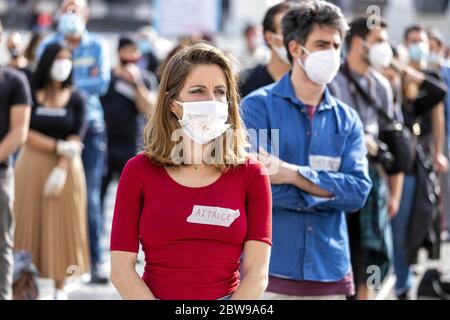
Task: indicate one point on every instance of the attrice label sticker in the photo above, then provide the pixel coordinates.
(214, 216)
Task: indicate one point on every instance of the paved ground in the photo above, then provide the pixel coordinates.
(78, 289)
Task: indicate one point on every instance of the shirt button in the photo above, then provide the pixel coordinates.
(308, 133)
(310, 229)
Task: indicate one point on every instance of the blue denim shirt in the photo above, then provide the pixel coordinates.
(446, 80)
(91, 69)
(310, 238)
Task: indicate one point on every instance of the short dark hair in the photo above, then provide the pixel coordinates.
(127, 39)
(413, 28)
(41, 77)
(268, 22)
(359, 27)
(299, 21)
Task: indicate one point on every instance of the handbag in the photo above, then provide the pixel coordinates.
(400, 140)
(25, 286)
(433, 286)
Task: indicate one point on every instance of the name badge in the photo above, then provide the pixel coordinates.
(51, 112)
(214, 216)
(322, 163)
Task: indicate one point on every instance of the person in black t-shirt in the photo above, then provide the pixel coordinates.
(16, 51)
(50, 207)
(15, 101)
(129, 96)
(279, 64)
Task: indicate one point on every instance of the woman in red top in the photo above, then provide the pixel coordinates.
(194, 199)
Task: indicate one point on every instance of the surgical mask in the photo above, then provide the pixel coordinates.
(204, 121)
(61, 69)
(145, 46)
(14, 52)
(321, 66)
(71, 24)
(281, 52)
(435, 58)
(380, 55)
(418, 51)
(124, 62)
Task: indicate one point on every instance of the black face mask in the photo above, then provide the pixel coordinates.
(14, 52)
(124, 62)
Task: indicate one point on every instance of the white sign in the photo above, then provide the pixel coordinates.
(174, 18)
(214, 216)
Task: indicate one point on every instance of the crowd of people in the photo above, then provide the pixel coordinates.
(291, 175)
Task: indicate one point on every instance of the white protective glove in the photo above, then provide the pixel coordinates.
(69, 149)
(55, 182)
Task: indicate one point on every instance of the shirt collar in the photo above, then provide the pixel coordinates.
(284, 89)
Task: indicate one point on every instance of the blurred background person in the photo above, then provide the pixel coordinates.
(129, 95)
(438, 63)
(40, 20)
(30, 52)
(16, 49)
(362, 87)
(265, 74)
(91, 60)
(51, 220)
(254, 51)
(421, 98)
(15, 102)
(149, 60)
(417, 42)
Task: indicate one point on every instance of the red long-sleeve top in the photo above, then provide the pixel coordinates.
(192, 238)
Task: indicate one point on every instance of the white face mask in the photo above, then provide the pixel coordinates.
(282, 54)
(380, 55)
(321, 66)
(204, 121)
(280, 51)
(61, 69)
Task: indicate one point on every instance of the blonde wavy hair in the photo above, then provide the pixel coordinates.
(158, 143)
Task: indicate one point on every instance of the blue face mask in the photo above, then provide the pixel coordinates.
(418, 51)
(435, 58)
(145, 46)
(71, 24)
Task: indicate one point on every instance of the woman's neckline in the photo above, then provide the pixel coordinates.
(39, 104)
(212, 184)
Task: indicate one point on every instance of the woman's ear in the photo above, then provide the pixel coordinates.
(176, 109)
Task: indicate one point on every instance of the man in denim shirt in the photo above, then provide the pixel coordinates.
(92, 73)
(319, 157)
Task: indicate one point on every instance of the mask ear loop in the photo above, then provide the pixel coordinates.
(300, 62)
(180, 120)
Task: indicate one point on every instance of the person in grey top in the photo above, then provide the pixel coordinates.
(15, 102)
(369, 229)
